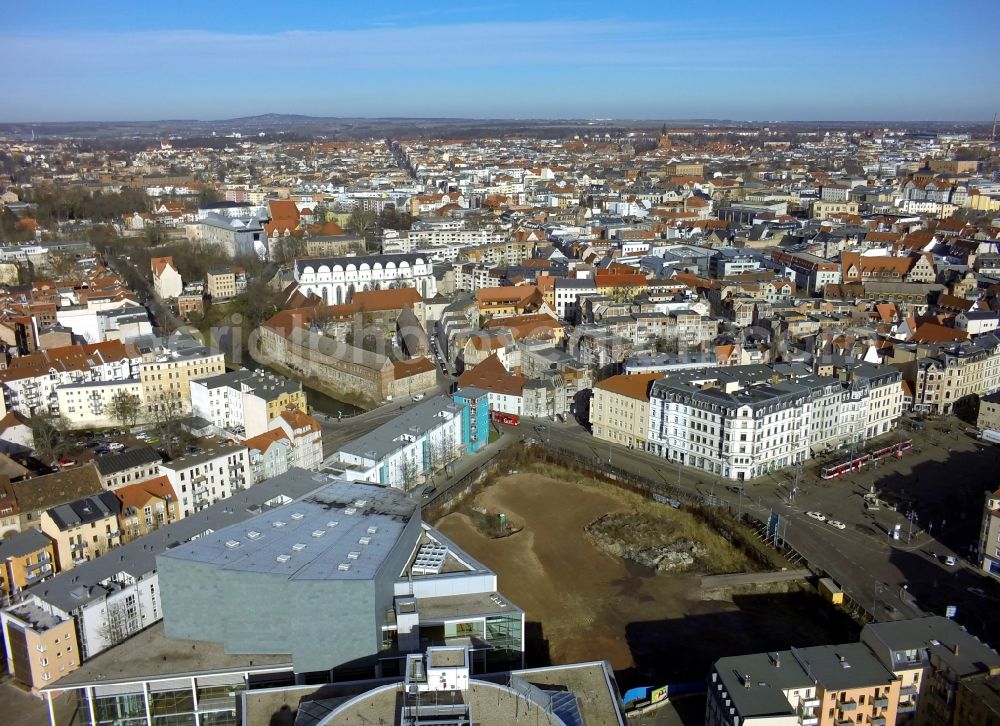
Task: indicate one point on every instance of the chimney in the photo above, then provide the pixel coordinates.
(955, 649)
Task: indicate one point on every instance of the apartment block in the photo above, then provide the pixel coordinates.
(169, 366)
(146, 506)
(40, 647)
(738, 432)
(224, 283)
(929, 657)
(26, 558)
(743, 421)
(128, 466)
(200, 480)
(948, 376)
(245, 402)
(619, 410)
(87, 404)
(401, 452)
(84, 529)
(826, 685)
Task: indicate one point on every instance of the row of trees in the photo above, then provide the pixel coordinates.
(60, 204)
(54, 437)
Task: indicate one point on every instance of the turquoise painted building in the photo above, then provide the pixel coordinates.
(475, 403)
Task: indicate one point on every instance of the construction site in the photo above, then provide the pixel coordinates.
(603, 573)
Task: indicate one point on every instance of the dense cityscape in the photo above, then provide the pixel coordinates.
(500, 413)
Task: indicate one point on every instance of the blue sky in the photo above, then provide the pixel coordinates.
(765, 60)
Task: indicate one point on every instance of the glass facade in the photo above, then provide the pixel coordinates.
(503, 632)
(469, 629)
(169, 703)
(175, 707)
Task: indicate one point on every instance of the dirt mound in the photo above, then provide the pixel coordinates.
(648, 541)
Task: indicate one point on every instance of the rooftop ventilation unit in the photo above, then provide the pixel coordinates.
(232, 543)
(364, 540)
(277, 523)
(372, 530)
(353, 555)
(360, 502)
(298, 546)
(332, 523)
(429, 559)
(283, 558)
(350, 510)
(317, 533)
(253, 534)
(297, 515)
(344, 566)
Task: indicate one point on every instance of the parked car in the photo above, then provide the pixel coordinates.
(539, 427)
(115, 446)
(819, 516)
(950, 560)
(836, 523)
(418, 397)
(977, 591)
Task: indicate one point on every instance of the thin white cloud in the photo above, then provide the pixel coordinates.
(423, 50)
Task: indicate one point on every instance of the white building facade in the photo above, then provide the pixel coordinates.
(336, 279)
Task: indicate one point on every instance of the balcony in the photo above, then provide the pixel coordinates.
(878, 721)
(77, 546)
(848, 706)
(881, 703)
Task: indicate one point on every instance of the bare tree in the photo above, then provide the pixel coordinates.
(50, 435)
(362, 221)
(125, 408)
(286, 249)
(167, 418)
(118, 624)
(411, 471)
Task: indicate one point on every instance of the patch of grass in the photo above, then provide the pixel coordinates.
(488, 523)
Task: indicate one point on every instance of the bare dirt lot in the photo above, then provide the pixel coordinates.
(584, 604)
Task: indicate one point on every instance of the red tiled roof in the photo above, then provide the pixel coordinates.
(636, 386)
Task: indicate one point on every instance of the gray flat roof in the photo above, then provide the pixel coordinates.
(415, 421)
(186, 462)
(465, 606)
(150, 654)
(756, 682)
(257, 381)
(127, 459)
(340, 523)
(844, 666)
(75, 588)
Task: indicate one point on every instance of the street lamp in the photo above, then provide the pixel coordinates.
(879, 587)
